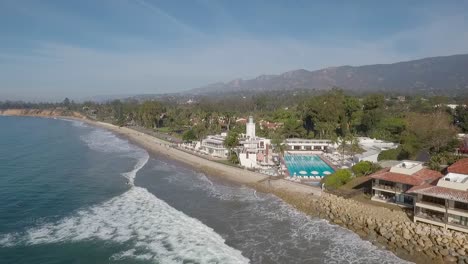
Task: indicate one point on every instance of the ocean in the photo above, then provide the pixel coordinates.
(73, 193)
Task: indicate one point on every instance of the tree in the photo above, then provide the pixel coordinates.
(461, 117)
(233, 158)
(66, 102)
(189, 135)
(292, 128)
(434, 130)
(150, 113)
(353, 113)
(394, 154)
(278, 142)
(200, 131)
(364, 168)
(337, 179)
(231, 141)
(373, 112)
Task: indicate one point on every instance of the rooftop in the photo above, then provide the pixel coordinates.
(304, 140)
(407, 167)
(441, 192)
(460, 167)
(398, 173)
(456, 177)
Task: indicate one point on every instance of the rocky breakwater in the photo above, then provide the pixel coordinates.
(394, 230)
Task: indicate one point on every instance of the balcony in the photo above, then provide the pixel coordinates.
(431, 206)
(431, 217)
(386, 188)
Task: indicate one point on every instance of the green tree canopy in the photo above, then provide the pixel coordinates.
(189, 135)
(337, 179)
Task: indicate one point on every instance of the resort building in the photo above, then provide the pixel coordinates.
(372, 148)
(391, 185)
(214, 145)
(255, 152)
(299, 144)
(445, 204)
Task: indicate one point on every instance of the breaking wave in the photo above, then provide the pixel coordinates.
(105, 141)
(148, 227)
(268, 230)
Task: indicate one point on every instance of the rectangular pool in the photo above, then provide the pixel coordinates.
(311, 166)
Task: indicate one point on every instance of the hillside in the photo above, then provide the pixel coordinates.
(446, 75)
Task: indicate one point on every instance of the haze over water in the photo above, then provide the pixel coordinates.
(64, 198)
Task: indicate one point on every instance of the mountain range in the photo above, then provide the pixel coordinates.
(447, 75)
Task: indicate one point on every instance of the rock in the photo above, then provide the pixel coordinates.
(407, 236)
(461, 252)
(430, 253)
(444, 252)
(450, 259)
(421, 242)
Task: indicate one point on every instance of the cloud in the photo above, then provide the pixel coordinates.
(56, 69)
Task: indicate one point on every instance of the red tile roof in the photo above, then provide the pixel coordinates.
(460, 166)
(441, 192)
(420, 177)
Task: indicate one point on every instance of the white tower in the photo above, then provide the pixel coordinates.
(250, 127)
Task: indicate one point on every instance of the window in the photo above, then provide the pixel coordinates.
(408, 199)
(461, 206)
(433, 200)
(458, 220)
(431, 215)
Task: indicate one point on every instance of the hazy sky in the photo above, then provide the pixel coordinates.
(53, 49)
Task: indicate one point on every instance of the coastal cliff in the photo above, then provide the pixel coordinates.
(56, 112)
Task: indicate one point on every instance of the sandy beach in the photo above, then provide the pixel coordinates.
(212, 168)
(160, 147)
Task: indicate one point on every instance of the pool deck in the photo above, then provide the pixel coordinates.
(305, 180)
(333, 166)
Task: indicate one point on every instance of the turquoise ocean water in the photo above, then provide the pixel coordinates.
(65, 198)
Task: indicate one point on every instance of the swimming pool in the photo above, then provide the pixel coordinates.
(311, 166)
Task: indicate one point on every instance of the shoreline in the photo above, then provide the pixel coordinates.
(365, 221)
(230, 173)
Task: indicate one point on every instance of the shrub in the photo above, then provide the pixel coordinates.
(364, 168)
(233, 158)
(393, 154)
(189, 135)
(337, 179)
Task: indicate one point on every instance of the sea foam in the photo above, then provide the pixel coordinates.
(105, 141)
(297, 238)
(147, 227)
(142, 223)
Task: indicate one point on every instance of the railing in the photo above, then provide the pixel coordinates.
(459, 209)
(384, 199)
(431, 217)
(387, 187)
(431, 204)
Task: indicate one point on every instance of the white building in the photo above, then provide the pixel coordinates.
(255, 152)
(445, 204)
(372, 148)
(300, 144)
(214, 145)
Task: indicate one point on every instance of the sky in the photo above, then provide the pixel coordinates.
(51, 49)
